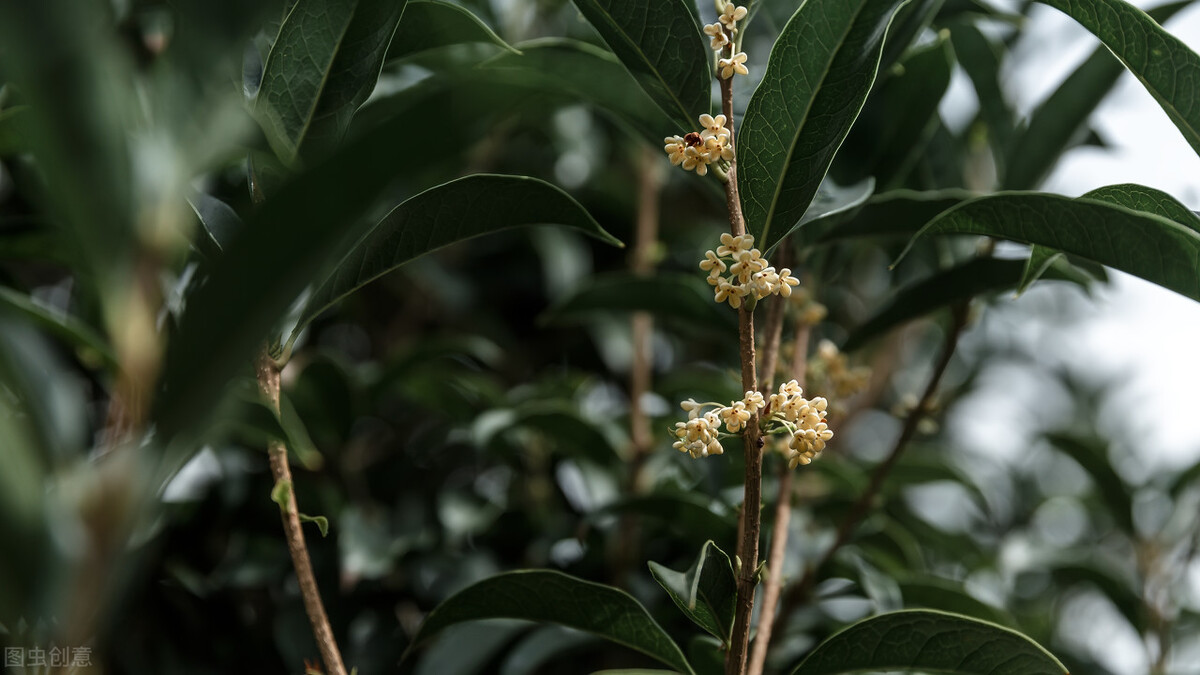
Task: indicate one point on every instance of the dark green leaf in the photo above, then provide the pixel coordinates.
(817, 78)
(980, 57)
(542, 646)
(573, 434)
(1163, 63)
(1040, 260)
(1118, 588)
(706, 592)
(218, 220)
(1142, 198)
(1092, 456)
(429, 24)
(1144, 245)
(569, 68)
(949, 596)
(543, 595)
(693, 515)
(910, 22)
(298, 440)
(14, 132)
(898, 213)
(1061, 120)
(899, 118)
(684, 297)
(322, 66)
(662, 46)
(63, 326)
(930, 641)
(449, 213)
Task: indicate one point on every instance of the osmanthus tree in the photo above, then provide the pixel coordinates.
(187, 308)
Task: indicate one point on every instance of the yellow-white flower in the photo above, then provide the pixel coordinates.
(718, 147)
(675, 146)
(733, 293)
(748, 263)
(754, 400)
(735, 416)
(698, 436)
(713, 126)
(733, 64)
(786, 281)
(717, 33)
(731, 246)
(695, 159)
(731, 15)
(713, 265)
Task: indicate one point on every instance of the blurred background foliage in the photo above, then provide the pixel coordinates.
(470, 412)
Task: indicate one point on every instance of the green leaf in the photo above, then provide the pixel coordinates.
(449, 213)
(692, 515)
(1111, 490)
(1163, 63)
(280, 494)
(321, 521)
(543, 595)
(429, 24)
(1142, 198)
(949, 596)
(560, 421)
(298, 440)
(322, 66)
(980, 56)
(930, 641)
(68, 328)
(14, 131)
(634, 671)
(910, 22)
(672, 296)
(662, 46)
(898, 213)
(1145, 245)
(560, 67)
(219, 222)
(706, 592)
(542, 646)
(817, 78)
(899, 118)
(1040, 260)
(1061, 120)
(1119, 588)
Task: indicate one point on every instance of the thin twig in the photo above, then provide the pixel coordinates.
(773, 585)
(773, 328)
(799, 592)
(268, 382)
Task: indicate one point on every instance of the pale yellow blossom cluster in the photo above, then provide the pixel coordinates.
(696, 150)
(699, 436)
(808, 310)
(721, 36)
(750, 274)
(804, 420)
(833, 371)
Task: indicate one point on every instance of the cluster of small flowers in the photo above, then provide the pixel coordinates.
(699, 436)
(696, 150)
(805, 421)
(750, 275)
(721, 35)
(809, 311)
(831, 368)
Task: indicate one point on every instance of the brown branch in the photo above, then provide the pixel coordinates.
(268, 381)
(773, 585)
(750, 521)
(866, 501)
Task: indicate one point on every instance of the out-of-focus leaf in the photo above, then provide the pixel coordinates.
(583, 72)
(539, 595)
(14, 134)
(486, 639)
(706, 592)
(898, 213)
(662, 46)
(911, 20)
(321, 522)
(322, 66)
(980, 56)
(926, 640)
(684, 297)
(634, 671)
(541, 646)
(449, 213)
(694, 515)
(1144, 245)
(706, 654)
(429, 24)
(1060, 121)
(218, 220)
(1040, 260)
(1161, 61)
(570, 431)
(949, 596)
(64, 326)
(957, 284)
(899, 117)
(298, 440)
(1092, 456)
(1121, 592)
(817, 78)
